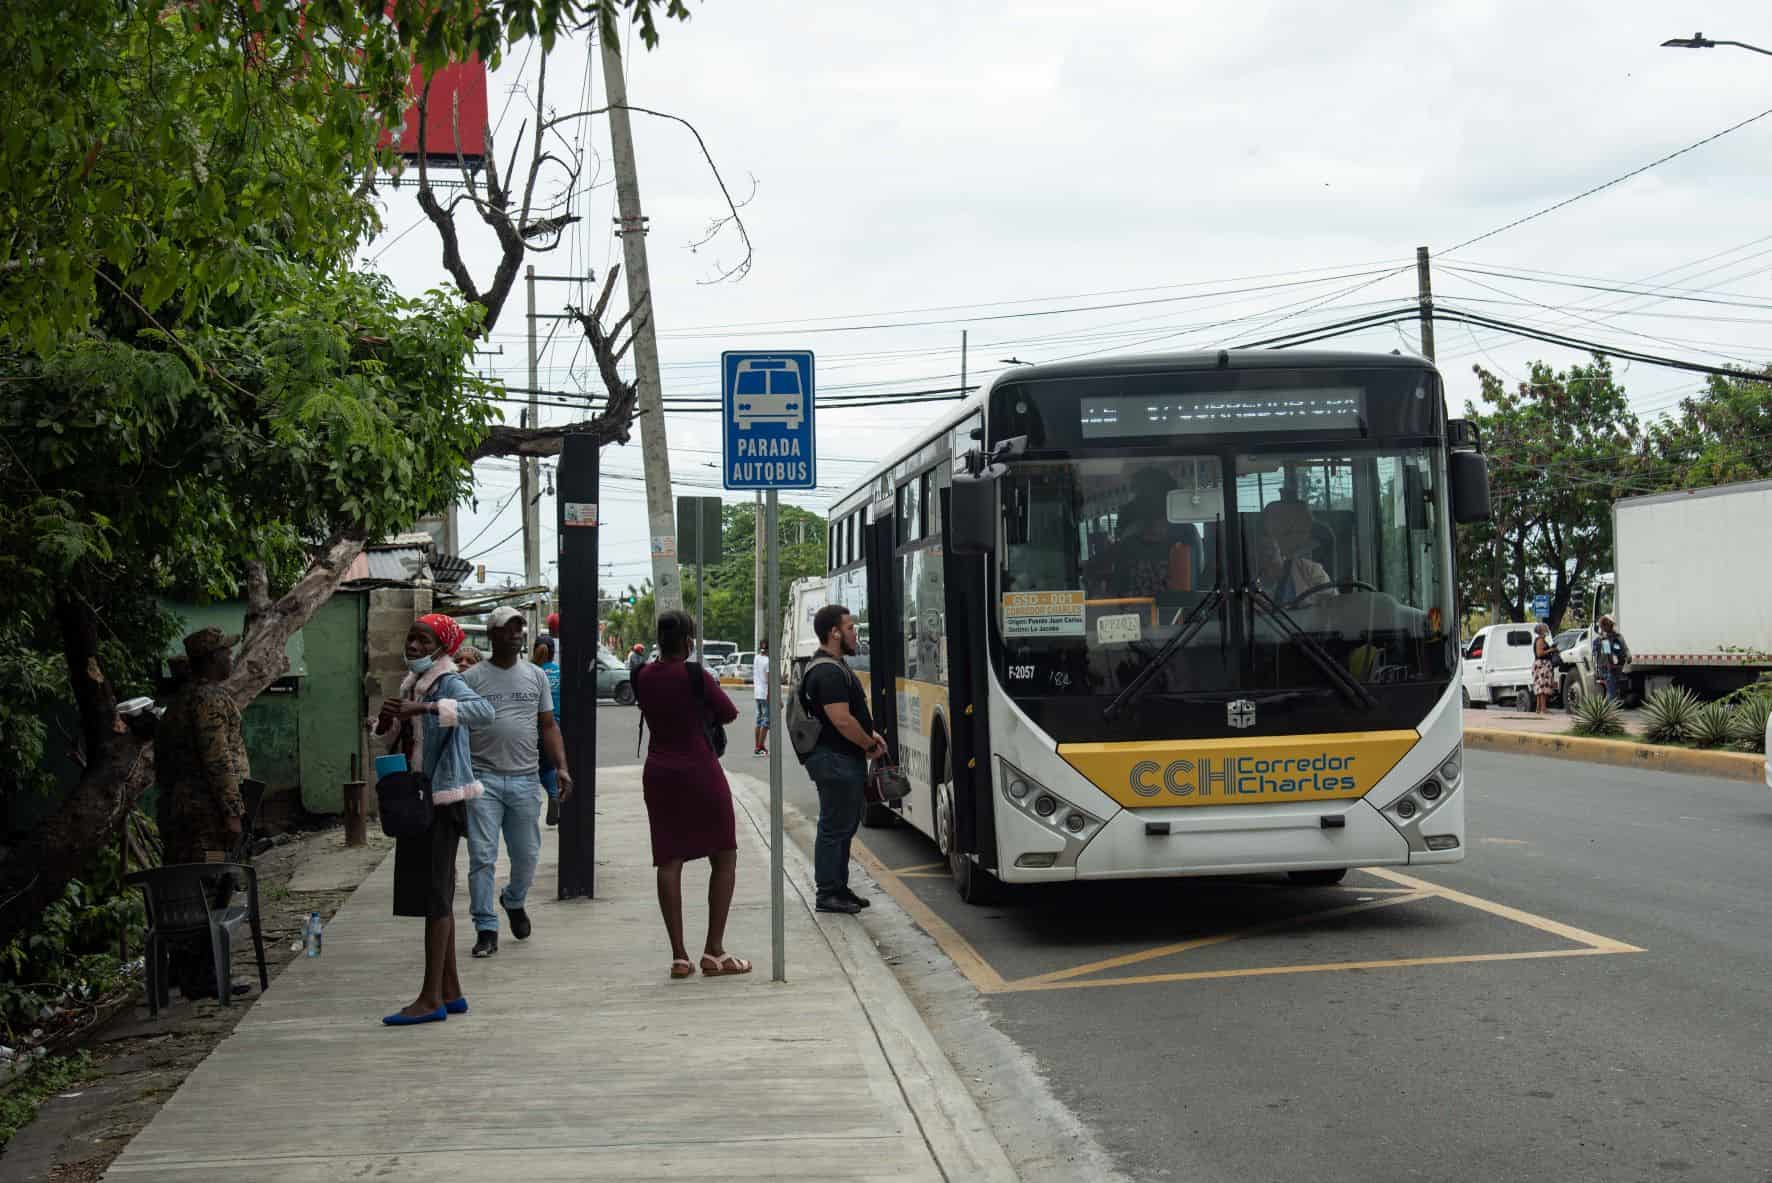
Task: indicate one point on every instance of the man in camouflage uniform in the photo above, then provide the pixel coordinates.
(200, 758)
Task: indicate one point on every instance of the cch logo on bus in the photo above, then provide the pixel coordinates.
(1252, 776)
(1240, 713)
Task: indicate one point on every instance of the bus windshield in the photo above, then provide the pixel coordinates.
(1323, 554)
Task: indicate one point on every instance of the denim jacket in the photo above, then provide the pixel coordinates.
(442, 750)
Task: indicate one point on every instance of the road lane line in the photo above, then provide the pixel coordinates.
(1026, 985)
(978, 971)
(1518, 916)
(1123, 959)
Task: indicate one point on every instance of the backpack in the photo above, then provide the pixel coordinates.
(804, 724)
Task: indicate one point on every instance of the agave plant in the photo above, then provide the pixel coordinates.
(1711, 725)
(1668, 713)
(1598, 716)
(1747, 723)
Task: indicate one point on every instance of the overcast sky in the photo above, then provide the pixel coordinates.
(982, 167)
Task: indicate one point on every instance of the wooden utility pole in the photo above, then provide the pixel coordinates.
(1425, 294)
(667, 587)
(529, 480)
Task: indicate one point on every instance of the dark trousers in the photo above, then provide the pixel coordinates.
(840, 778)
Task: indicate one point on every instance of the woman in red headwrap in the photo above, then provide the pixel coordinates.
(429, 723)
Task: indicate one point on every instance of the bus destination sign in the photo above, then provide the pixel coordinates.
(1336, 408)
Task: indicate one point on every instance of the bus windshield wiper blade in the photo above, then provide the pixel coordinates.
(1195, 621)
(1313, 649)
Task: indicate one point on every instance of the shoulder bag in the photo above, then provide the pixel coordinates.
(715, 732)
(887, 783)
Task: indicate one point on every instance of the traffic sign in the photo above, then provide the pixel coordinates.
(1541, 606)
(767, 403)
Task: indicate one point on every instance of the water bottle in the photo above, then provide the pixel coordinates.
(311, 935)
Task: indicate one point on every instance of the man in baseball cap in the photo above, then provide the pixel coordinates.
(507, 760)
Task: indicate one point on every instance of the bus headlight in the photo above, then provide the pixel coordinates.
(1045, 806)
(1075, 824)
(1452, 765)
(1406, 808)
(1430, 790)
(1018, 788)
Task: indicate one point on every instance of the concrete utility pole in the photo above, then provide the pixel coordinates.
(667, 588)
(1425, 294)
(530, 481)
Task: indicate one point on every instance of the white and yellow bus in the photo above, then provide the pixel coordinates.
(1174, 615)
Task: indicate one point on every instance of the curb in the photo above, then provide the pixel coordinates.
(954, 1128)
(1619, 753)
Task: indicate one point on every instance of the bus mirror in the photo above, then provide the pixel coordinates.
(972, 513)
(1470, 487)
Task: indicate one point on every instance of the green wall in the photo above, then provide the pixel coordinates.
(332, 707)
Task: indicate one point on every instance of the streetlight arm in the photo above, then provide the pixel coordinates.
(1745, 45)
(1700, 41)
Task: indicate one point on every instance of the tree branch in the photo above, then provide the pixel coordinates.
(263, 658)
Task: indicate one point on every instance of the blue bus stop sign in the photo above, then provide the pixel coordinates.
(1541, 606)
(766, 403)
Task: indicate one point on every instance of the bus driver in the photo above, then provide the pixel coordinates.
(1283, 569)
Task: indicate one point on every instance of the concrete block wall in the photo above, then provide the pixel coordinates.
(391, 612)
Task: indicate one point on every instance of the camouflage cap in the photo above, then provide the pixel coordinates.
(205, 641)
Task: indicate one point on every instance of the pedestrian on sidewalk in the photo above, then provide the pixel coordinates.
(429, 723)
(760, 691)
(1544, 666)
(838, 764)
(688, 803)
(507, 759)
(466, 658)
(543, 657)
(1611, 655)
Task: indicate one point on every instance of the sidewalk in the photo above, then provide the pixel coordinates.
(1524, 733)
(580, 1058)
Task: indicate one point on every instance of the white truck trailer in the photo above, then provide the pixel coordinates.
(805, 597)
(1694, 586)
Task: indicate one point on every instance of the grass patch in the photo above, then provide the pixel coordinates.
(46, 1076)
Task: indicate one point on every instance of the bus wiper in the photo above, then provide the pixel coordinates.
(1313, 649)
(1190, 626)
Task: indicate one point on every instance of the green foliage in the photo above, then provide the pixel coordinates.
(1711, 725)
(42, 1079)
(1598, 717)
(1747, 722)
(1668, 714)
(1721, 436)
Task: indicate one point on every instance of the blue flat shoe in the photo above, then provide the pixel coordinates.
(457, 1006)
(399, 1020)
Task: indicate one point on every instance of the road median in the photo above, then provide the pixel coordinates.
(1620, 753)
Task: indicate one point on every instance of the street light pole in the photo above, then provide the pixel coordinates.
(1700, 41)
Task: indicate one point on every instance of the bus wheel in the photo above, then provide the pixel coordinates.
(1327, 878)
(975, 884)
(624, 694)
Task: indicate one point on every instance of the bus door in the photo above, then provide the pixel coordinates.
(885, 645)
(968, 611)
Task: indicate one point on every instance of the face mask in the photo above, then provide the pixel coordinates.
(419, 665)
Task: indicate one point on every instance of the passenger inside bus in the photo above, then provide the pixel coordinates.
(1149, 555)
(1283, 567)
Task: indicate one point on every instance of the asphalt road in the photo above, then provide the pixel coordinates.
(1587, 996)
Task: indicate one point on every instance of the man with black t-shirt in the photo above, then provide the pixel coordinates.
(838, 764)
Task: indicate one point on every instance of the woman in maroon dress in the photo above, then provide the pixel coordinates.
(687, 801)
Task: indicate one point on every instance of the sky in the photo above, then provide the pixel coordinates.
(1061, 180)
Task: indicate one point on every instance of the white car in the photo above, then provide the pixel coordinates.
(767, 390)
(1498, 667)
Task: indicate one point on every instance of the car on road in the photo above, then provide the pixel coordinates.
(1575, 671)
(612, 678)
(1498, 667)
(741, 666)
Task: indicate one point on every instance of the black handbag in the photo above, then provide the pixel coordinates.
(405, 799)
(715, 732)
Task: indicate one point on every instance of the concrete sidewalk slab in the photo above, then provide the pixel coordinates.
(580, 1058)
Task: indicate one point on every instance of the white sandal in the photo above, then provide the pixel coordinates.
(687, 970)
(725, 965)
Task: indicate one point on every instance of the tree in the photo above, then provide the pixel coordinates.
(1721, 436)
(1558, 447)
(199, 395)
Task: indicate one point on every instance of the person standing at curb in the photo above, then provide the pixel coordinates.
(838, 764)
(543, 657)
(688, 802)
(1544, 666)
(760, 691)
(1611, 655)
(507, 759)
(427, 723)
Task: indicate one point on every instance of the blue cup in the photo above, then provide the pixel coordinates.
(387, 764)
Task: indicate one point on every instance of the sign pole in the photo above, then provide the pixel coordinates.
(777, 869)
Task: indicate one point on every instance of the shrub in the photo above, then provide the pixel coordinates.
(1598, 716)
(1668, 715)
(1747, 722)
(1712, 724)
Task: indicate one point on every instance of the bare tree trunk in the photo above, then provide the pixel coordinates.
(262, 658)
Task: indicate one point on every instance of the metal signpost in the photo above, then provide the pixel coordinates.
(699, 538)
(768, 443)
(579, 644)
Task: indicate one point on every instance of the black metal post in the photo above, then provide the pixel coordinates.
(577, 481)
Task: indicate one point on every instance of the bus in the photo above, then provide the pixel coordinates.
(1190, 614)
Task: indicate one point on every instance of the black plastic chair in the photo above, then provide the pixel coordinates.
(252, 795)
(180, 901)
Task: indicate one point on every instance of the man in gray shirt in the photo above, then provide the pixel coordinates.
(507, 760)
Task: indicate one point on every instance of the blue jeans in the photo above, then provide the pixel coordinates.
(510, 805)
(840, 778)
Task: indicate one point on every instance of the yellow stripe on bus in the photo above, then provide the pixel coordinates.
(1265, 770)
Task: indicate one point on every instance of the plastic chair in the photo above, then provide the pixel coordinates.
(180, 902)
(252, 794)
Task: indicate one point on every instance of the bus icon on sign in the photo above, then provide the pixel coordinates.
(767, 390)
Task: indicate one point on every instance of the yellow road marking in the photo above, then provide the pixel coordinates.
(1321, 967)
(959, 950)
(917, 868)
(1543, 924)
(1077, 971)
